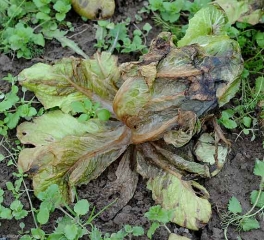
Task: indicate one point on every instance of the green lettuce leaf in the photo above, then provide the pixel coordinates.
(72, 79)
(208, 21)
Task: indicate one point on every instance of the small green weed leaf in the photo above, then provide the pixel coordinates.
(95, 234)
(22, 225)
(260, 39)
(259, 85)
(43, 215)
(37, 233)
(60, 16)
(103, 114)
(156, 4)
(51, 198)
(248, 224)
(245, 131)
(5, 213)
(70, 231)
(61, 6)
(247, 121)
(137, 231)
(16, 205)
(119, 235)
(78, 107)
(42, 16)
(259, 168)
(20, 214)
(10, 186)
(234, 205)
(38, 39)
(83, 117)
(88, 104)
(253, 198)
(82, 207)
(9, 163)
(2, 157)
(154, 226)
(56, 236)
(229, 123)
(128, 228)
(157, 213)
(147, 27)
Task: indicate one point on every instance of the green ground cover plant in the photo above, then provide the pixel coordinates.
(115, 36)
(25, 25)
(13, 107)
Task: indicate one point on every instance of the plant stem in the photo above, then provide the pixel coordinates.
(70, 216)
(167, 228)
(259, 193)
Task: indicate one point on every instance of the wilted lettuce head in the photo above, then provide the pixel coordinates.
(171, 81)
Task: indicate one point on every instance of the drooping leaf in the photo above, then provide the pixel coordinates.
(171, 192)
(73, 160)
(54, 126)
(72, 79)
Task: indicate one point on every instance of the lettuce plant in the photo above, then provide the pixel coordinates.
(157, 105)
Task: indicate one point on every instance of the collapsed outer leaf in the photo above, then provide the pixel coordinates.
(171, 192)
(73, 160)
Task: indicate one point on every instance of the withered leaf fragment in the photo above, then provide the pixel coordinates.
(94, 9)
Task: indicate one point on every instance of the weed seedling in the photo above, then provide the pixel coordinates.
(13, 107)
(111, 36)
(247, 221)
(159, 217)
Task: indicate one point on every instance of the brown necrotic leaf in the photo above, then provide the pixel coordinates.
(124, 186)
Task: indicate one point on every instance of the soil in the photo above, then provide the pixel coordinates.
(235, 179)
